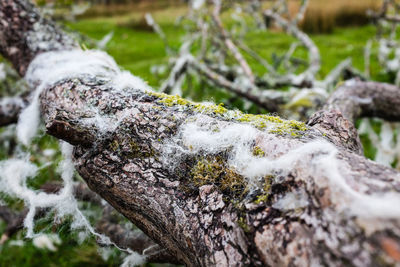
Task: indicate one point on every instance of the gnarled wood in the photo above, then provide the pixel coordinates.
(205, 225)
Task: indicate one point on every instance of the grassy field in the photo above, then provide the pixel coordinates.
(136, 49)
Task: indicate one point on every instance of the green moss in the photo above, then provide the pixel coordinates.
(233, 182)
(207, 172)
(292, 128)
(243, 224)
(114, 145)
(175, 100)
(131, 148)
(258, 152)
(301, 103)
(263, 198)
(137, 151)
(213, 170)
(260, 121)
(272, 124)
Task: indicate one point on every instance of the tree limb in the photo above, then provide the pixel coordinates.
(353, 100)
(229, 43)
(300, 14)
(356, 99)
(252, 93)
(314, 56)
(327, 208)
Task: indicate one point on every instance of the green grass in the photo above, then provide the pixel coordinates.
(137, 50)
(133, 49)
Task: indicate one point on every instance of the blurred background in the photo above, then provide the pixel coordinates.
(341, 29)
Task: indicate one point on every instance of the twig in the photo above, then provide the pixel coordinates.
(229, 43)
(300, 14)
(289, 54)
(252, 93)
(175, 75)
(157, 29)
(314, 56)
(257, 57)
(334, 75)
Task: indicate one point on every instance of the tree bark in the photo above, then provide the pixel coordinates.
(208, 224)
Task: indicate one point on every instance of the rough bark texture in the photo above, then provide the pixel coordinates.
(24, 34)
(353, 100)
(366, 99)
(204, 225)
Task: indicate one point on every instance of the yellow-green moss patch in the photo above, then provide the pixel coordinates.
(258, 152)
(175, 100)
(272, 124)
(214, 171)
(131, 148)
(243, 224)
(263, 198)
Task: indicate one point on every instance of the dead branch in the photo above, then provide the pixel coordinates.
(314, 57)
(318, 202)
(229, 43)
(251, 93)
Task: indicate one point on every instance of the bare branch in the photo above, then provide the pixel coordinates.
(367, 59)
(338, 71)
(254, 8)
(300, 14)
(229, 43)
(353, 100)
(321, 204)
(179, 69)
(252, 93)
(314, 56)
(157, 29)
(289, 54)
(366, 99)
(257, 57)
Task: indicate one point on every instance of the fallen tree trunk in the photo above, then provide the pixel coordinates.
(212, 186)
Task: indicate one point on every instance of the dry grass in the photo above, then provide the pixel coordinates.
(323, 16)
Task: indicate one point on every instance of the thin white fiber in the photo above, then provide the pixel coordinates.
(52, 67)
(200, 137)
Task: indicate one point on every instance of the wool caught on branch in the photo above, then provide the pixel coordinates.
(224, 200)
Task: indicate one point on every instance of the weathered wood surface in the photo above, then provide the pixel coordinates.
(206, 225)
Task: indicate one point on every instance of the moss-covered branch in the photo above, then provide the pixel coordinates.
(211, 186)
